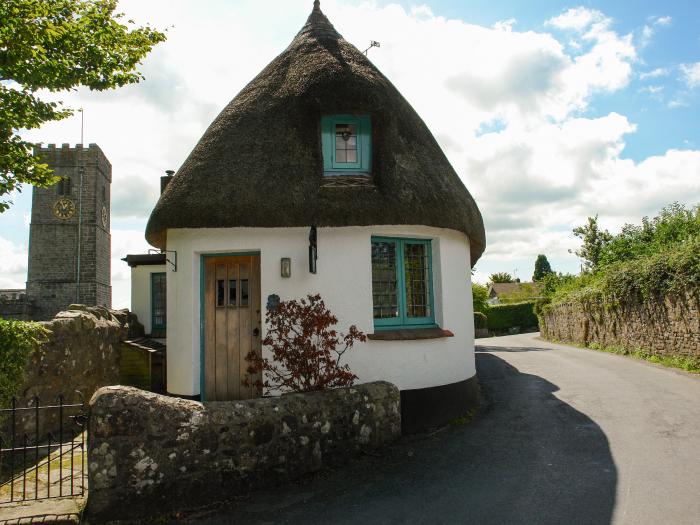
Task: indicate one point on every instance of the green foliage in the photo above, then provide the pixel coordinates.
(17, 340)
(594, 240)
(479, 295)
(501, 277)
(542, 268)
(501, 317)
(674, 225)
(57, 45)
(661, 257)
(480, 320)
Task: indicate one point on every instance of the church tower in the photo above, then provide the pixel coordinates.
(69, 239)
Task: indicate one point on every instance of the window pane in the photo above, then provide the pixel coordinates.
(384, 287)
(417, 271)
(220, 283)
(158, 300)
(346, 143)
(244, 292)
(232, 292)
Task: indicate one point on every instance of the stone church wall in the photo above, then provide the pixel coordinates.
(52, 277)
(20, 308)
(151, 454)
(668, 326)
(81, 354)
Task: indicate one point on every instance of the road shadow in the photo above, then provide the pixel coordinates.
(527, 458)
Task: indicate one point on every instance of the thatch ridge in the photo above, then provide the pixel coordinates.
(259, 164)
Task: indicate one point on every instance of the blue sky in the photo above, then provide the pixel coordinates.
(549, 111)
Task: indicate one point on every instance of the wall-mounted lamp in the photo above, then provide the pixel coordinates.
(286, 267)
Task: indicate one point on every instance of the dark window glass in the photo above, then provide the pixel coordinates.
(384, 284)
(244, 292)
(158, 301)
(63, 186)
(416, 275)
(220, 292)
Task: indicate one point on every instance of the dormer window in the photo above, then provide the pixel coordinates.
(347, 144)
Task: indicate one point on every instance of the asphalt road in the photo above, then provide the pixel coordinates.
(565, 436)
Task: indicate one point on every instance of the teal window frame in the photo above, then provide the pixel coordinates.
(403, 321)
(364, 145)
(154, 326)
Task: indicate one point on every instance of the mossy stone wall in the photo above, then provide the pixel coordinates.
(663, 326)
(151, 454)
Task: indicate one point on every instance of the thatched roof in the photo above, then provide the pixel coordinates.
(260, 162)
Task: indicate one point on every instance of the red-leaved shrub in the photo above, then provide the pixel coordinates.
(306, 350)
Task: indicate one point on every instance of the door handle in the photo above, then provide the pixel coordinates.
(256, 332)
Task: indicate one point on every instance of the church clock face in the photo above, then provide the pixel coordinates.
(64, 209)
(105, 217)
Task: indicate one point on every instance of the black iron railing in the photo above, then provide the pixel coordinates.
(43, 450)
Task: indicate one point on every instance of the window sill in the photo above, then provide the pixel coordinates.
(409, 334)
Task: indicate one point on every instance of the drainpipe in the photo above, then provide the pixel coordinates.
(80, 229)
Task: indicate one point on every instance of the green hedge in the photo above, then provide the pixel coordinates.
(480, 320)
(501, 317)
(17, 340)
(669, 273)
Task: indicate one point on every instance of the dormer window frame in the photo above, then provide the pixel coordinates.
(330, 128)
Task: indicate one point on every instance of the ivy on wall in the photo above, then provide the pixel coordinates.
(18, 339)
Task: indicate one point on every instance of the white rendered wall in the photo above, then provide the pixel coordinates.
(141, 292)
(344, 280)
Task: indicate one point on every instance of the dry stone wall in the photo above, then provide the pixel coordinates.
(668, 326)
(81, 354)
(151, 454)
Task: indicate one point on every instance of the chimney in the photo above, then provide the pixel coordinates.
(164, 181)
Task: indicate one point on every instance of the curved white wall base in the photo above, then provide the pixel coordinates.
(344, 280)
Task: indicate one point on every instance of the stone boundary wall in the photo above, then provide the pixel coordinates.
(151, 454)
(667, 326)
(82, 353)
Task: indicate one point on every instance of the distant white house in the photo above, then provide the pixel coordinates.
(498, 292)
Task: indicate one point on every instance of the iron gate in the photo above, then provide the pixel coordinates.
(43, 449)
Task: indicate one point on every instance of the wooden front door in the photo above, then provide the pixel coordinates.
(231, 325)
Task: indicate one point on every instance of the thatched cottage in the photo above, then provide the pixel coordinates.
(319, 177)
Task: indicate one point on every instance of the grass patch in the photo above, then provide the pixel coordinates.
(689, 364)
(60, 468)
(466, 418)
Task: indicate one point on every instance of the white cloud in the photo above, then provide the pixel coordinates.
(505, 25)
(678, 103)
(124, 242)
(649, 30)
(652, 90)
(579, 19)
(13, 264)
(691, 74)
(662, 21)
(654, 73)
